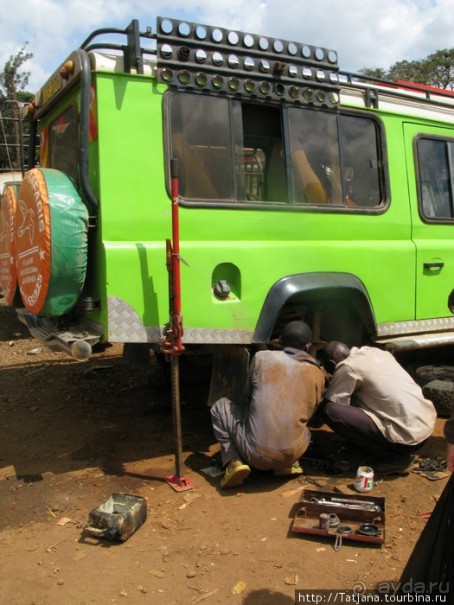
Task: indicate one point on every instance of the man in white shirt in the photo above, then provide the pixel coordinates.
(376, 405)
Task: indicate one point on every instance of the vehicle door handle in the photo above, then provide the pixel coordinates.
(434, 265)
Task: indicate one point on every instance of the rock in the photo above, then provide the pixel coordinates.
(427, 373)
(34, 351)
(291, 580)
(157, 573)
(224, 551)
(441, 393)
(239, 587)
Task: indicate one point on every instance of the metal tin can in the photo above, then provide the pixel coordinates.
(118, 517)
(323, 522)
(364, 481)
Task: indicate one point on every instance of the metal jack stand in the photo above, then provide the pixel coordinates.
(172, 346)
(177, 481)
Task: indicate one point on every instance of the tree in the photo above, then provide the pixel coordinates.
(412, 71)
(440, 69)
(436, 69)
(13, 82)
(374, 72)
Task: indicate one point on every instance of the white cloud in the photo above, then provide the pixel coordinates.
(366, 33)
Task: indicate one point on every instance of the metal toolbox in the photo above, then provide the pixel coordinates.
(361, 518)
(117, 518)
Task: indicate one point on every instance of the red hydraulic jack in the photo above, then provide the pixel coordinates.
(172, 345)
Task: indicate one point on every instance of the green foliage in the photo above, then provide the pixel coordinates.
(13, 82)
(436, 69)
(374, 72)
(12, 79)
(440, 68)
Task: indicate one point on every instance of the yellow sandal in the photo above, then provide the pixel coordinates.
(235, 476)
(288, 471)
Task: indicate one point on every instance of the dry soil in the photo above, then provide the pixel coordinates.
(72, 434)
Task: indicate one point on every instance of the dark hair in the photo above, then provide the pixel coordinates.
(296, 334)
(333, 353)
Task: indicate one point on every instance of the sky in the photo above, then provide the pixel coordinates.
(365, 33)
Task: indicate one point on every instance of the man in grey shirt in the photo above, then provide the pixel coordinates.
(375, 404)
(270, 433)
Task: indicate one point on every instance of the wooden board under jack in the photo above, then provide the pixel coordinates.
(369, 514)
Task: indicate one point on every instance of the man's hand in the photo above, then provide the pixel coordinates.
(450, 457)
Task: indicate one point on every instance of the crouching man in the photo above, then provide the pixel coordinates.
(270, 433)
(374, 404)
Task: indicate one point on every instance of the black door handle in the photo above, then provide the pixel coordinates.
(434, 265)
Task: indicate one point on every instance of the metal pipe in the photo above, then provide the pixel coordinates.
(177, 433)
(85, 90)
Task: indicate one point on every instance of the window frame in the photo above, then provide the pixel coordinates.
(71, 106)
(431, 137)
(289, 205)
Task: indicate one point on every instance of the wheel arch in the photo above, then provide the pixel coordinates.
(315, 290)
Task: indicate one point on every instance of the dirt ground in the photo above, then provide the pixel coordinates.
(72, 434)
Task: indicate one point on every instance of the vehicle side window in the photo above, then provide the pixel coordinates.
(361, 161)
(63, 143)
(261, 172)
(201, 144)
(335, 159)
(314, 151)
(436, 178)
(241, 152)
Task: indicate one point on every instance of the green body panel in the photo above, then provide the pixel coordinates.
(263, 246)
(127, 173)
(252, 249)
(434, 241)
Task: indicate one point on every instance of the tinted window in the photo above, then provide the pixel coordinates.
(335, 159)
(63, 148)
(238, 151)
(361, 175)
(436, 178)
(314, 151)
(201, 141)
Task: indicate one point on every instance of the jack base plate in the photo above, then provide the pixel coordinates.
(179, 484)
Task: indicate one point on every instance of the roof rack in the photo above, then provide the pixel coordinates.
(225, 61)
(232, 62)
(374, 87)
(132, 51)
(201, 57)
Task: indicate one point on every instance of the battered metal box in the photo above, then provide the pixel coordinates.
(118, 517)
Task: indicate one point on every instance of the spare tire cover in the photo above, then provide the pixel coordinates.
(8, 279)
(51, 239)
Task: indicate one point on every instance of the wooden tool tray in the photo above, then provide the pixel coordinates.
(308, 513)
